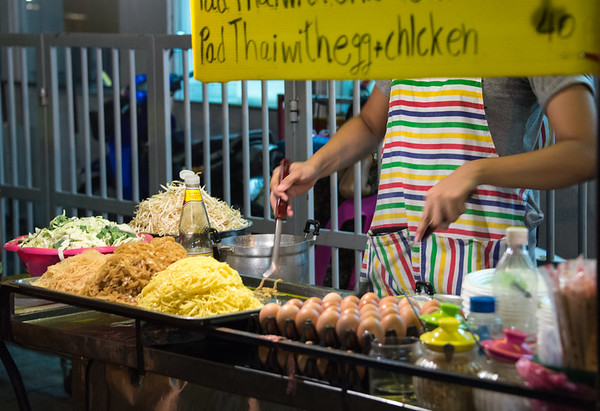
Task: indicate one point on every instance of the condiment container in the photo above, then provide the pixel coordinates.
(450, 348)
(502, 355)
(391, 385)
(447, 310)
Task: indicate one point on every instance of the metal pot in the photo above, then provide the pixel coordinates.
(251, 254)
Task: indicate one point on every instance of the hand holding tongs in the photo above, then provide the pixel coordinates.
(280, 215)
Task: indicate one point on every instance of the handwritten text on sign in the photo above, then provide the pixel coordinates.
(383, 39)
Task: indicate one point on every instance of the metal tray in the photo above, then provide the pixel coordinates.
(285, 291)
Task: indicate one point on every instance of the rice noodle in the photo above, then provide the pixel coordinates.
(72, 274)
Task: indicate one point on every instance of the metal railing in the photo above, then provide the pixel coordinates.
(65, 143)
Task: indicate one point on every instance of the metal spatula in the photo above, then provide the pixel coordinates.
(280, 214)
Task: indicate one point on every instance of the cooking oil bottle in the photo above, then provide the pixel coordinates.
(194, 226)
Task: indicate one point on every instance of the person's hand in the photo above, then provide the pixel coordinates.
(446, 201)
(302, 177)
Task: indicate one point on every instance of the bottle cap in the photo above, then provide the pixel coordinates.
(448, 333)
(483, 304)
(189, 177)
(509, 348)
(516, 236)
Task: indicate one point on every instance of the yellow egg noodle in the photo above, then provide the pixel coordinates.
(266, 293)
(160, 213)
(198, 287)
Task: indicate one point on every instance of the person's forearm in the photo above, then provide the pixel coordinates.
(355, 139)
(557, 166)
(352, 142)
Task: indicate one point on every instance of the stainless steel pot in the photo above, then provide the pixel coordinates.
(251, 254)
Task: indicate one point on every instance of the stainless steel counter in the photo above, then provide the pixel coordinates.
(105, 347)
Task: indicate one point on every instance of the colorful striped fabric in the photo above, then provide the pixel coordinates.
(435, 126)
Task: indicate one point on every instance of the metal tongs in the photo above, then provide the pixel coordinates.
(280, 215)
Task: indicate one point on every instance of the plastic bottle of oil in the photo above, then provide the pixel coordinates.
(194, 226)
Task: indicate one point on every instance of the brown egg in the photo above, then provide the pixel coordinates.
(369, 307)
(404, 302)
(389, 309)
(352, 309)
(371, 325)
(268, 310)
(296, 301)
(287, 311)
(302, 359)
(430, 307)
(388, 305)
(315, 299)
(388, 299)
(305, 314)
(313, 304)
(409, 318)
(331, 304)
(332, 297)
(348, 304)
(351, 298)
(369, 297)
(348, 321)
(327, 318)
(394, 321)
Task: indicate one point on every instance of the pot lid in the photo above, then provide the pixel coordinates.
(509, 348)
(448, 332)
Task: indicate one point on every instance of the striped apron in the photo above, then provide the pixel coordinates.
(434, 126)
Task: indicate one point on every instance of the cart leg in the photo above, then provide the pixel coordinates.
(15, 377)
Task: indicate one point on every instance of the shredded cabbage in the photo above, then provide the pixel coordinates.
(65, 233)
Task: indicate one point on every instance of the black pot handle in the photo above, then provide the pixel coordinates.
(310, 223)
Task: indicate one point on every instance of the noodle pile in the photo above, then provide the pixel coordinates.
(72, 274)
(117, 277)
(130, 267)
(198, 287)
(160, 213)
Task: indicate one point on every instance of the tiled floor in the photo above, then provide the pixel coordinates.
(43, 378)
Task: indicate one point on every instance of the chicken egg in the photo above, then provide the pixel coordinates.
(268, 310)
(430, 307)
(287, 311)
(350, 298)
(331, 304)
(369, 308)
(332, 297)
(315, 299)
(371, 325)
(305, 314)
(410, 318)
(405, 302)
(394, 321)
(352, 309)
(347, 321)
(317, 306)
(369, 297)
(389, 310)
(327, 318)
(296, 301)
(388, 299)
(348, 304)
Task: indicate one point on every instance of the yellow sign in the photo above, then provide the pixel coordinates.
(384, 39)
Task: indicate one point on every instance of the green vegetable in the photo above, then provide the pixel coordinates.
(65, 233)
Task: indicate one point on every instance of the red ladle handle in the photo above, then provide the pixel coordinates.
(281, 209)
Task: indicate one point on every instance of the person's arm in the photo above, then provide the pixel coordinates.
(355, 139)
(573, 117)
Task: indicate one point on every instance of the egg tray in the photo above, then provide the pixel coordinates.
(338, 373)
